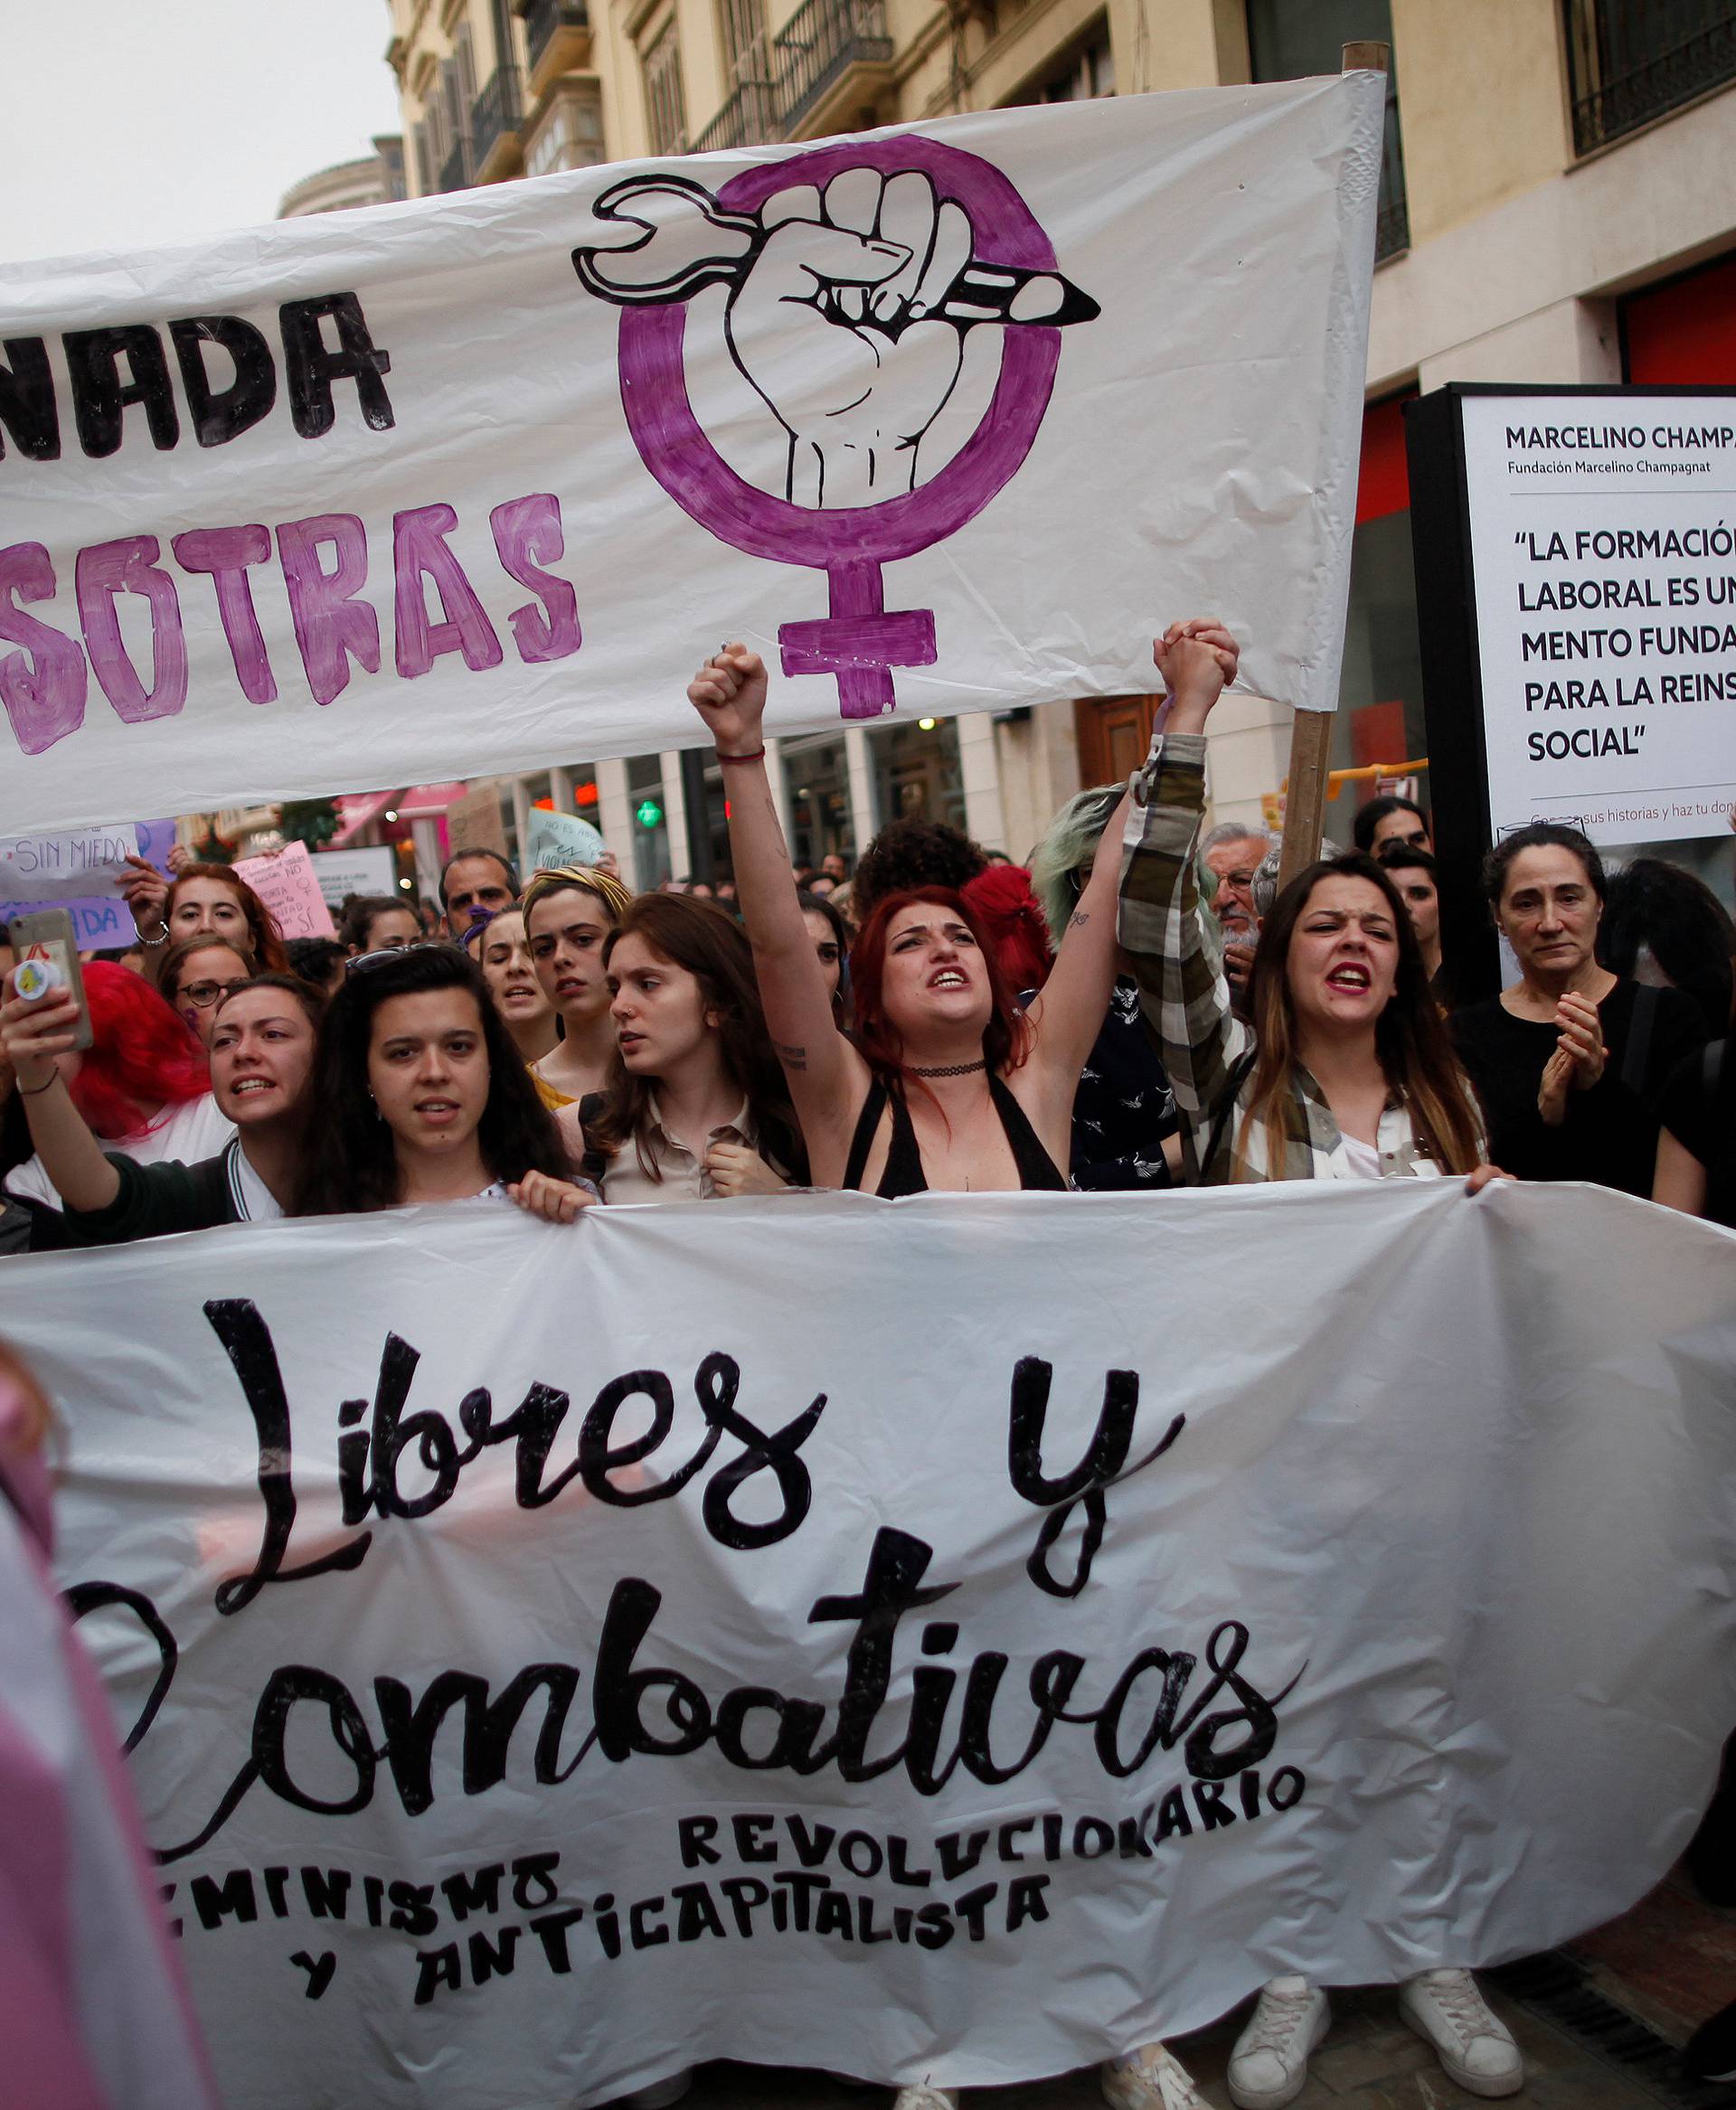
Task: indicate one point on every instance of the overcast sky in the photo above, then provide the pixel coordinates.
(131, 123)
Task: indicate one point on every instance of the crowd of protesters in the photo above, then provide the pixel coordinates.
(1141, 1006)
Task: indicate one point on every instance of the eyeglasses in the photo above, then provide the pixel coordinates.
(205, 994)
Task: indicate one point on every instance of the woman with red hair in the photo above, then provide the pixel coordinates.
(205, 901)
(143, 1085)
(947, 1084)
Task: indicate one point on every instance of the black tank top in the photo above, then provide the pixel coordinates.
(904, 1174)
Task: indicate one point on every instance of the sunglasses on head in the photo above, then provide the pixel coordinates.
(364, 963)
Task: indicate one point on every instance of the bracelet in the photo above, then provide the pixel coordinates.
(755, 755)
(32, 1091)
(162, 936)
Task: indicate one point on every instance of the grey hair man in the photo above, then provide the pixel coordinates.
(1229, 855)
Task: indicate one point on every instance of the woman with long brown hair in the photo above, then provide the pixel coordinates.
(1346, 1070)
(695, 1107)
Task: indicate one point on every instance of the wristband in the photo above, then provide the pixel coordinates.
(753, 754)
(31, 1092)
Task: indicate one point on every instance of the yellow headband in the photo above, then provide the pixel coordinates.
(589, 878)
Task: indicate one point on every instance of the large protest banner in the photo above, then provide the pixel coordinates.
(939, 417)
(552, 1655)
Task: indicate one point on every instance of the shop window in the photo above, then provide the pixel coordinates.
(1380, 696)
(1288, 39)
(1684, 332)
(816, 783)
(918, 775)
(651, 864)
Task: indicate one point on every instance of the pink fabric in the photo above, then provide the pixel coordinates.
(69, 1832)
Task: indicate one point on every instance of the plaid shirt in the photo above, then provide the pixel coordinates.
(1206, 1048)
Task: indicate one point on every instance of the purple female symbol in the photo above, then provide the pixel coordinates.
(860, 641)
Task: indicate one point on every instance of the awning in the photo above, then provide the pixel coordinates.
(427, 802)
(354, 815)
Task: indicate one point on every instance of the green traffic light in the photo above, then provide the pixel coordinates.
(650, 813)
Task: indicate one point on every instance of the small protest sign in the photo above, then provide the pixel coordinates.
(289, 887)
(342, 872)
(76, 871)
(473, 822)
(561, 839)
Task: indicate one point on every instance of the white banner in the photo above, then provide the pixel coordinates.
(966, 1640)
(1604, 557)
(941, 418)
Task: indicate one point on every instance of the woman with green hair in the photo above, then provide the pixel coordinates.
(569, 911)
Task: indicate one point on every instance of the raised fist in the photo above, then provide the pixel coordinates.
(836, 324)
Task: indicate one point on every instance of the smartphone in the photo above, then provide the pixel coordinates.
(47, 934)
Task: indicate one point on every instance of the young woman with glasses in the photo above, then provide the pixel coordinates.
(197, 972)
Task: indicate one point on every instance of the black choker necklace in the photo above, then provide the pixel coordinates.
(951, 1068)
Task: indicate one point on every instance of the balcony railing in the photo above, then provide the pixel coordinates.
(545, 19)
(749, 119)
(455, 170)
(1631, 61)
(497, 111)
(819, 43)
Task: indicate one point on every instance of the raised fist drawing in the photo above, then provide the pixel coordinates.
(836, 325)
(847, 308)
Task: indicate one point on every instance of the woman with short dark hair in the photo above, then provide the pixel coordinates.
(377, 923)
(1569, 1060)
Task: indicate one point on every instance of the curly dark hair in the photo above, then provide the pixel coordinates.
(352, 1160)
(908, 856)
(1683, 924)
(708, 942)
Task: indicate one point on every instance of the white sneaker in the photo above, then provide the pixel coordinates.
(1476, 2048)
(1269, 2063)
(1150, 2078)
(927, 2099)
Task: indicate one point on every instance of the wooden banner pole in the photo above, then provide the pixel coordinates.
(1304, 798)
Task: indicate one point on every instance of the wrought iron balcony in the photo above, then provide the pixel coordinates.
(819, 44)
(455, 170)
(495, 116)
(545, 19)
(1631, 61)
(749, 119)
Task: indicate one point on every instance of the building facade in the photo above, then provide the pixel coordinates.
(371, 179)
(1558, 204)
